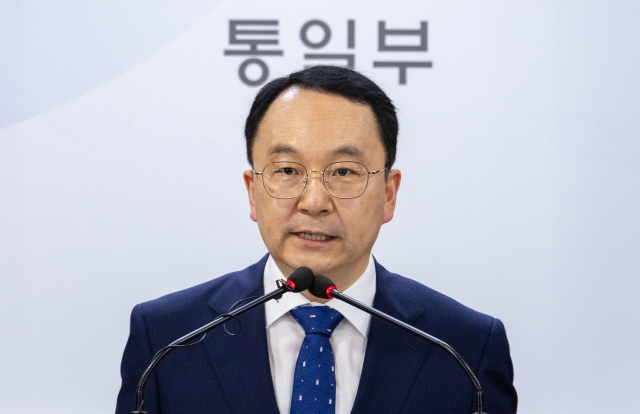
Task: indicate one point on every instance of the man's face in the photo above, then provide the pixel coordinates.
(315, 129)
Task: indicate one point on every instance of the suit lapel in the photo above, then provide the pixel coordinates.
(241, 362)
(393, 357)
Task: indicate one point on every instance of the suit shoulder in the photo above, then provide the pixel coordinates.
(424, 300)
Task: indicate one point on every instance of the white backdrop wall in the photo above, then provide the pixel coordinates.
(121, 154)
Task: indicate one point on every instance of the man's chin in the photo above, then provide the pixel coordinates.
(320, 263)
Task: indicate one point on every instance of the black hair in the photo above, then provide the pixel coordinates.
(334, 80)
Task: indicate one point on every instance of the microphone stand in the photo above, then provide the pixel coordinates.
(333, 292)
(283, 287)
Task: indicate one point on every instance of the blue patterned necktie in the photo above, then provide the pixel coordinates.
(314, 383)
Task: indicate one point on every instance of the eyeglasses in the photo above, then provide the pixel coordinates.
(342, 179)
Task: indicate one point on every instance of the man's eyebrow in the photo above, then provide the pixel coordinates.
(348, 150)
(282, 149)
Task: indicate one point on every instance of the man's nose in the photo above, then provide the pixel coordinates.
(315, 199)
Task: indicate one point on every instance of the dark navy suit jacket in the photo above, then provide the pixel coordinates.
(231, 374)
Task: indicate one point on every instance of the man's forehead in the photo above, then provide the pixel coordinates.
(299, 111)
(290, 93)
(325, 110)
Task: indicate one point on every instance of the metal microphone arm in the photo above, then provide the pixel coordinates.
(408, 328)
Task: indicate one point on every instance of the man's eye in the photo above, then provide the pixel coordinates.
(342, 172)
(285, 171)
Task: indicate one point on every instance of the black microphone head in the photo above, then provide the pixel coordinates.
(302, 279)
(320, 287)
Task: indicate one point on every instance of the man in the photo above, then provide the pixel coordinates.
(321, 143)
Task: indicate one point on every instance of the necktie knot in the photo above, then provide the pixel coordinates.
(317, 319)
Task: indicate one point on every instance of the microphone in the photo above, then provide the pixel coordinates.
(301, 279)
(323, 287)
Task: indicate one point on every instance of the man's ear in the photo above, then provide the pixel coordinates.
(250, 184)
(390, 194)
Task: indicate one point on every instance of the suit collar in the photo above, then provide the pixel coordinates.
(241, 362)
(393, 357)
(393, 296)
(240, 285)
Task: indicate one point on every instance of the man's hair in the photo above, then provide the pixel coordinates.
(334, 80)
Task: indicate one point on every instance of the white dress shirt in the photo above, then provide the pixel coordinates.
(349, 339)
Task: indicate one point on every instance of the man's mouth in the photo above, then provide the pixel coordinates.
(314, 237)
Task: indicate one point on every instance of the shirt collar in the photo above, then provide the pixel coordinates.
(363, 290)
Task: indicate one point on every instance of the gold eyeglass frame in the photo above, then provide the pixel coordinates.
(324, 182)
